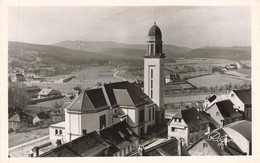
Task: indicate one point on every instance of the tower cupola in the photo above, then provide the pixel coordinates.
(154, 43)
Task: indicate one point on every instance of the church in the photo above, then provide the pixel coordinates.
(103, 107)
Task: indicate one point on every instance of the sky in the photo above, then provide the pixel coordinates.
(182, 26)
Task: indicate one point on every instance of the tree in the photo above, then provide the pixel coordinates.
(17, 97)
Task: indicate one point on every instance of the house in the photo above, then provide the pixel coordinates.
(242, 101)
(122, 137)
(168, 147)
(213, 99)
(57, 133)
(20, 119)
(234, 139)
(48, 92)
(91, 144)
(41, 119)
(13, 110)
(188, 125)
(223, 112)
(103, 107)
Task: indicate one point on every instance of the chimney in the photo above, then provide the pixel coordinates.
(179, 147)
(36, 151)
(141, 150)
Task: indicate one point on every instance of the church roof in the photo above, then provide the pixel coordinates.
(89, 101)
(154, 31)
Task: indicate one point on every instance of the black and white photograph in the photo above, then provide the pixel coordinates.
(129, 81)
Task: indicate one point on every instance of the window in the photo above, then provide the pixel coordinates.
(151, 73)
(157, 48)
(179, 120)
(147, 49)
(175, 120)
(152, 48)
(173, 129)
(217, 113)
(205, 145)
(151, 93)
(151, 83)
(149, 114)
(60, 132)
(153, 113)
(141, 116)
(102, 121)
(56, 132)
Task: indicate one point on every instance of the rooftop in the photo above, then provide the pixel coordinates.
(226, 109)
(244, 95)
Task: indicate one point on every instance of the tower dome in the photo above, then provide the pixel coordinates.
(154, 30)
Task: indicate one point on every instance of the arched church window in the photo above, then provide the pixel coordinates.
(157, 48)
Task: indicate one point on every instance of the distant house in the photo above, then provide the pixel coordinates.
(234, 139)
(188, 125)
(91, 144)
(122, 137)
(13, 110)
(48, 92)
(223, 112)
(19, 120)
(169, 147)
(242, 101)
(41, 119)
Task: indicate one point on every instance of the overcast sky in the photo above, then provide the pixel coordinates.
(182, 26)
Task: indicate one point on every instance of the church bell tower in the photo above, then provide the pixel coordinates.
(154, 71)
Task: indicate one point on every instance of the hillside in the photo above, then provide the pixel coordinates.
(109, 47)
(50, 55)
(230, 53)
(110, 51)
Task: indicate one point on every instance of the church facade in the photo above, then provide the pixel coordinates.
(103, 107)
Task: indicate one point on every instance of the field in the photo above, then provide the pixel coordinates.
(86, 78)
(215, 80)
(243, 73)
(18, 138)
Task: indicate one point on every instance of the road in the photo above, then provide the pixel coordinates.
(22, 150)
